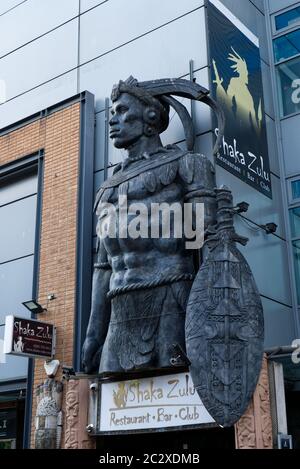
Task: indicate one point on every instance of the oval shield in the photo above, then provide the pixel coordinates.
(225, 333)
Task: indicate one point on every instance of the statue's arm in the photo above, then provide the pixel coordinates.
(201, 185)
(100, 314)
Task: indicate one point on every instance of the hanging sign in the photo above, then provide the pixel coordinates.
(28, 337)
(236, 83)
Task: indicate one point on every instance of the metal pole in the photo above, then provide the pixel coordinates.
(106, 137)
(193, 114)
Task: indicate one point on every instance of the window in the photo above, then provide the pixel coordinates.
(295, 222)
(288, 72)
(288, 77)
(287, 19)
(287, 46)
(296, 249)
(294, 212)
(287, 59)
(295, 185)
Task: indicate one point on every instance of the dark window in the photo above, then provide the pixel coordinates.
(289, 18)
(296, 189)
(296, 249)
(287, 46)
(288, 75)
(295, 222)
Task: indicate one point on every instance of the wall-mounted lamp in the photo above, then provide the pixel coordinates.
(242, 207)
(269, 228)
(34, 307)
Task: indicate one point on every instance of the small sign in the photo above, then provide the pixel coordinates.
(28, 337)
(151, 403)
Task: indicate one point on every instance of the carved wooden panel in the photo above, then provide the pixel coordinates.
(76, 418)
(254, 429)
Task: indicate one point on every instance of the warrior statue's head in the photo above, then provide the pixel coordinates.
(145, 114)
(141, 110)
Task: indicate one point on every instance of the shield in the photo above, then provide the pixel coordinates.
(224, 325)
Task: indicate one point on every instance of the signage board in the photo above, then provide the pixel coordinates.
(236, 84)
(151, 404)
(28, 337)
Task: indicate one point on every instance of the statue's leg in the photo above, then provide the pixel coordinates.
(109, 358)
(171, 329)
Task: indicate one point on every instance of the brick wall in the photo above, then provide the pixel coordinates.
(59, 136)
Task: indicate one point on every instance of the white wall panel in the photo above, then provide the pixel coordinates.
(40, 60)
(38, 99)
(267, 257)
(32, 19)
(6, 5)
(104, 28)
(276, 5)
(87, 4)
(279, 320)
(163, 53)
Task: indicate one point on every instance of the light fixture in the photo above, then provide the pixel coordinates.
(242, 207)
(269, 228)
(34, 307)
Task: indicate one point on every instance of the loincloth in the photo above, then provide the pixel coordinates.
(144, 326)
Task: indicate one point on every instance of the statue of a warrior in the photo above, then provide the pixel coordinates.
(146, 288)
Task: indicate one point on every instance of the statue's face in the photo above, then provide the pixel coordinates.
(126, 124)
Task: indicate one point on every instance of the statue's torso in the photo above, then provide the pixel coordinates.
(147, 259)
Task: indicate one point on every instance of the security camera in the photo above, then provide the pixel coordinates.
(94, 386)
(89, 428)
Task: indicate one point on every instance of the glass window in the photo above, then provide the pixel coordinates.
(289, 18)
(17, 229)
(18, 189)
(296, 189)
(287, 46)
(288, 75)
(15, 287)
(296, 248)
(295, 222)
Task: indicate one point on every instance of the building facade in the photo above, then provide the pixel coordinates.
(58, 62)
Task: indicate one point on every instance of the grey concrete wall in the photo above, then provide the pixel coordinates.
(73, 45)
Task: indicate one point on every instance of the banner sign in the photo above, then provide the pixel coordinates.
(236, 83)
(151, 403)
(29, 338)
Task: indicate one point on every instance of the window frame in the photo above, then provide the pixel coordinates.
(278, 85)
(293, 203)
(278, 32)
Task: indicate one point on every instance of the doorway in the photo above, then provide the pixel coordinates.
(175, 441)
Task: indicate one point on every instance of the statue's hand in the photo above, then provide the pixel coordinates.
(91, 353)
